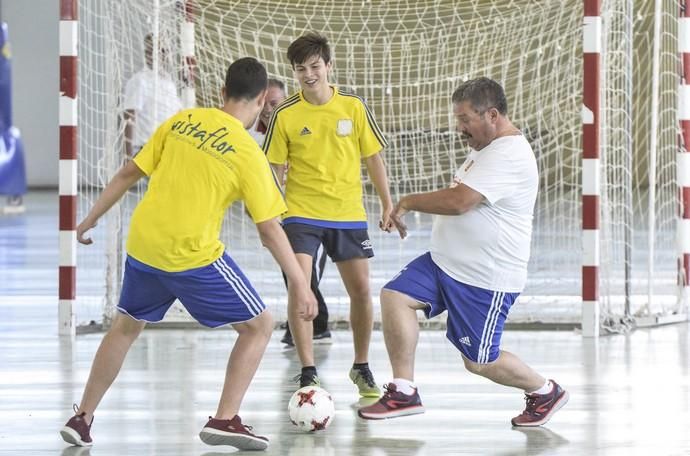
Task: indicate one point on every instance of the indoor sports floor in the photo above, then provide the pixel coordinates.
(629, 394)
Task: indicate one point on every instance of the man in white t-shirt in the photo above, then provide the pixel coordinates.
(477, 263)
(275, 95)
(150, 98)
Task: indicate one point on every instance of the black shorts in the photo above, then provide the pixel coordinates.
(340, 244)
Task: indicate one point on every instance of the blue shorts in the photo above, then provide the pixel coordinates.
(475, 315)
(214, 295)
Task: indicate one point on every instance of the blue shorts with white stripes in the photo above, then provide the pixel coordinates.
(475, 315)
(214, 295)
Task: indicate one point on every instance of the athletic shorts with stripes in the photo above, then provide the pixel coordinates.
(214, 295)
(475, 315)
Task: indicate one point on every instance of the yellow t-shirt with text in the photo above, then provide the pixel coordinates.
(199, 161)
(323, 146)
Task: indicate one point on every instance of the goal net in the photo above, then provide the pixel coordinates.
(405, 58)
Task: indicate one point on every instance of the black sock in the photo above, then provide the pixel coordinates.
(309, 370)
(360, 366)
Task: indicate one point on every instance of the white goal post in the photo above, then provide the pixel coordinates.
(611, 248)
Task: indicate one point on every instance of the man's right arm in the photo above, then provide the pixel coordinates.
(299, 293)
(130, 118)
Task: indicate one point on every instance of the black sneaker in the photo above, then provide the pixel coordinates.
(322, 338)
(287, 340)
(307, 379)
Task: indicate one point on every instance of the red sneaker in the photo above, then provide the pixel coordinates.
(540, 407)
(392, 404)
(76, 431)
(232, 432)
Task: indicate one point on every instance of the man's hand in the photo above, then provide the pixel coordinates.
(83, 227)
(398, 213)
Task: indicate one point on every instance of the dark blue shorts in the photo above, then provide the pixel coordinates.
(341, 244)
(475, 315)
(214, 295)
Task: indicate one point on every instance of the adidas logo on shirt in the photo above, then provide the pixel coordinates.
(465, 341)
(305, 131)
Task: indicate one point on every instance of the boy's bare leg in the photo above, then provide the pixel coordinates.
(244, 360)
(303, 331)
(108, 361)
(355, 275)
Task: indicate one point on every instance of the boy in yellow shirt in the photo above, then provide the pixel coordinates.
(199, 162)
(323, 134)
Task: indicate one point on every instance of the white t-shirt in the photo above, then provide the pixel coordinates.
(258, 136)
(154, 99)
(489, 246)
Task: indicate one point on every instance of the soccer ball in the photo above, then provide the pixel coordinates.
(311, 409)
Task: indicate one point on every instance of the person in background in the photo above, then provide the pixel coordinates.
(150, 98)
(322, 335)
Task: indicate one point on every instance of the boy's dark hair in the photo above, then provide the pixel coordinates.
(482, 93)
(309, 45)
(245, 79)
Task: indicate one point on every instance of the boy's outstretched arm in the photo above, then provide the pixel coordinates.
(299, 293)
(127, 176)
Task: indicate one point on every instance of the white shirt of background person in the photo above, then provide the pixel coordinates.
(276, 94)
(149, 99)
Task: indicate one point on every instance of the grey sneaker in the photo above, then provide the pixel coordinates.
(364, 379)
(232, 432)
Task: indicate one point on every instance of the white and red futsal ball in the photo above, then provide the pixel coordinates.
(311, 409)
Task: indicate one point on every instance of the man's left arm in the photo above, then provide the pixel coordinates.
(448, 201)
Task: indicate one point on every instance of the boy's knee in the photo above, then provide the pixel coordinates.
(126, 326)
(260, 325)
(361, 296)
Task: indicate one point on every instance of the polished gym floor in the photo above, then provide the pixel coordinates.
(629, 394)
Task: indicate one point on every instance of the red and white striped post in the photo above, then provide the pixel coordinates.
(68, 166)
(591, 186)
(683, 167)
(187, 45)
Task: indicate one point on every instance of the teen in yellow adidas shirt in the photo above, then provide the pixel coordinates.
(323, 134)
(199, 162)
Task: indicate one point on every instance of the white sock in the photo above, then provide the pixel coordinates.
(548, 386)
(404, 386)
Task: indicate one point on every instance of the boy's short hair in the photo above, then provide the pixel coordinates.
(311, 44)
(245, 79)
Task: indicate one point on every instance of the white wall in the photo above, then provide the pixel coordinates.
(33, 30)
